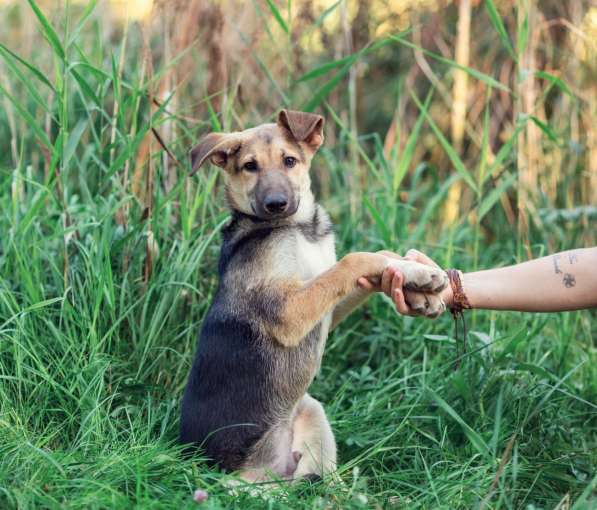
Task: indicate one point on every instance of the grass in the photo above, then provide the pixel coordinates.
(107, 268)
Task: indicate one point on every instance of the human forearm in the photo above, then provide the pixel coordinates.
(564, 281)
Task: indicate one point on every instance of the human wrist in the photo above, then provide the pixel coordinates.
(447, 296)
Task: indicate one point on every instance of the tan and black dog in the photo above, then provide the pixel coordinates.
(280, 292)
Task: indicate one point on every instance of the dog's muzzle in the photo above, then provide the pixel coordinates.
(275, 204)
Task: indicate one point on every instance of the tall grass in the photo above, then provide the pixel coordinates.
(108, 249)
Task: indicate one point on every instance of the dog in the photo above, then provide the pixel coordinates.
(281, 290)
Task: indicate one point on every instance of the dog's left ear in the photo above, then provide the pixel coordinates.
(305, 127)
(217, 147)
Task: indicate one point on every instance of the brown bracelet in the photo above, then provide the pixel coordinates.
(459, 300)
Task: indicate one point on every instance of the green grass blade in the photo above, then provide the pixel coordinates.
(497, 422)
(322, 17)
(25, 81)
(216, 126)
(322, 92)
(48, 31)
(494, 195)
(545, 128)
(89, 8)
(86, 88)
(523, 30)
(411, 144)
(555, 80)
(498, 24)
(277, 15)
(484, 143)
(73, 141)
(454, 158)
(31, 122)
(327, 67)
(349, 59)
(475, 439)
(379, 220)
(285, 99)
(469, 70)
(505, 150)
(36, 72)
(98, 73)
(587, 500)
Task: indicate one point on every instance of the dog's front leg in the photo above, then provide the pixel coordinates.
(428, 304)
(350, 303)
(304, 305)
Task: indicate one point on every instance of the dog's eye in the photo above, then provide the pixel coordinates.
(289, 161)
(250, 166)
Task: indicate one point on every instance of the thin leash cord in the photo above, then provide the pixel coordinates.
(457, 314)
(460, 303)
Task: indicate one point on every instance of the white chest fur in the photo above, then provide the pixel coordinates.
(313, 258)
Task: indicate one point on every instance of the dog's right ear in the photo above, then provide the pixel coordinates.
(218, 147)
(304, 127)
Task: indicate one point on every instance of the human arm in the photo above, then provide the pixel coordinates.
(560, 282)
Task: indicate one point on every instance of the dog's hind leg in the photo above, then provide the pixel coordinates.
(313, 439)
(272, 458)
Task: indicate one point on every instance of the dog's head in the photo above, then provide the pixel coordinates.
(266, 167)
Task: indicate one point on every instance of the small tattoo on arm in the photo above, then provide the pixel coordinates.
(569, 280)
(556, 268)
(572, 258)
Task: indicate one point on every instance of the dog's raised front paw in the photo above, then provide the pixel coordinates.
(427, 305)
(420, 277)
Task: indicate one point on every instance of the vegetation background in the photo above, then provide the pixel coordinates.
(466, 129)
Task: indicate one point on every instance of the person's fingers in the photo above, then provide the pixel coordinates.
(400, 303)
(397, 282)
(398, 295)
(417, 256)
(386, 281)
(364, 283)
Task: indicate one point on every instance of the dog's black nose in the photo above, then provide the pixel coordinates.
(275, 203)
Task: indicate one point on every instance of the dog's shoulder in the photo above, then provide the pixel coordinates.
(242, 240)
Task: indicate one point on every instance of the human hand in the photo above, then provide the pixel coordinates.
(417, 256)
(391, 284)
(375, 284)
(408, 302)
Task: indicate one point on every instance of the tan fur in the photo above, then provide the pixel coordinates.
(313, 437)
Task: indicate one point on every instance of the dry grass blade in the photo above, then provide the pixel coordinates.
(496, 479)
